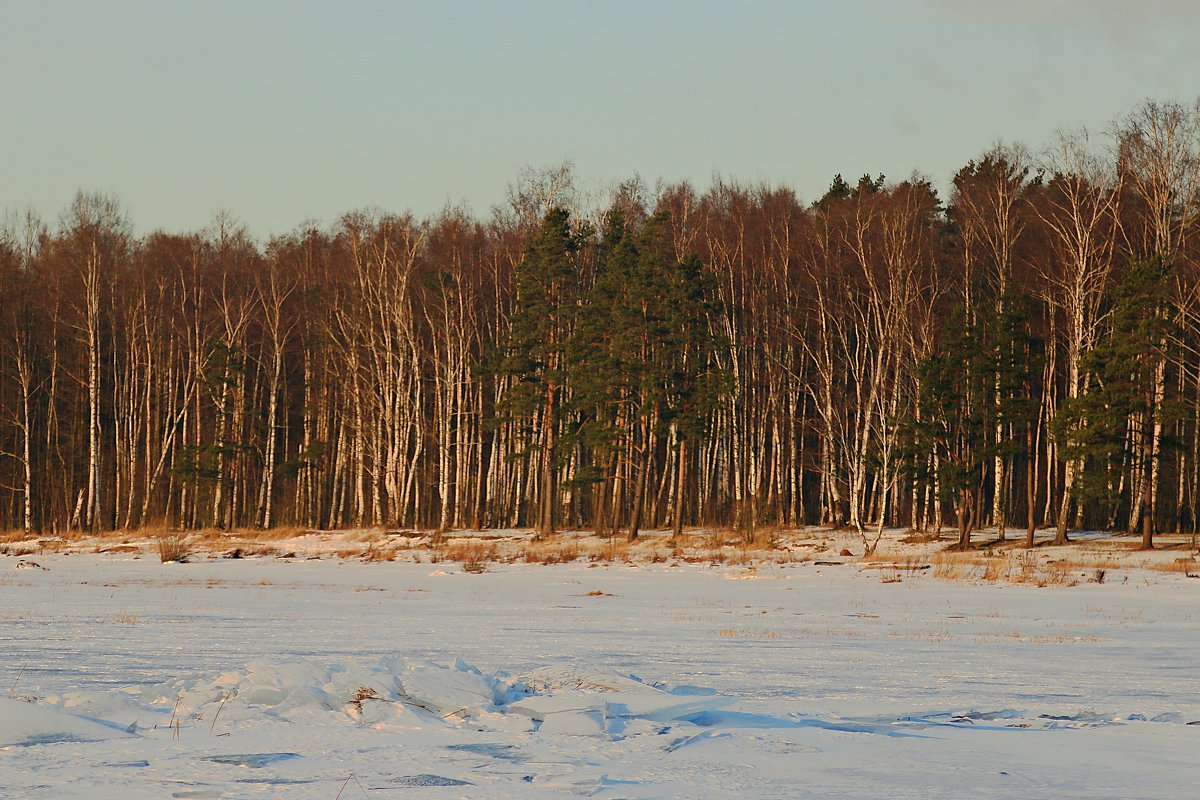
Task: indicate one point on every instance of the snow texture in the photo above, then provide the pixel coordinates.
(253, 678)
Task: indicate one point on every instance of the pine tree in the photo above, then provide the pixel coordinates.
(952, 381)
(1094, 427)
(599, 364)
(640, 358)
(697, 385)
(1010, 358)
(532, 353)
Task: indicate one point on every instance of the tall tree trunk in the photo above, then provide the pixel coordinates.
(680, 485)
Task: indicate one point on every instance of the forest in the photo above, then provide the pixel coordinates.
(1021, 354)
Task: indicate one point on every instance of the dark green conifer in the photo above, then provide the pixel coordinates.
(1120, 396)
(532, 354)
(952, 381)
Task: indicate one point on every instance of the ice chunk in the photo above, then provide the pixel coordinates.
(426, 780)
(23, 723)
(507, 752)
(575, 722)
(614, 695)
(114, 707)
(445, 691)
(252, 760)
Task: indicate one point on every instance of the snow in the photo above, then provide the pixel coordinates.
(24, 724)
(126, 678)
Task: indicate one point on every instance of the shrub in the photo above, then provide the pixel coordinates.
(173, 547)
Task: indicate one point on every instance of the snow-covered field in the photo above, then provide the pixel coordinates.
(324, 678)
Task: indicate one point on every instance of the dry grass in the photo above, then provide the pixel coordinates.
(910, 563)
(1186, 565)
(238, 535)
(698, 546)
(250, 550)
(901, 555)
(119, 548)
(474, 554)
(363, 693)
(551, 551)
(173, 547)
(750, 633)
(763, 537)
(208, 536)
(369, 537)
(610, 549)
(1029, 567)
(379, 552)
(280, 533)
(949, 571)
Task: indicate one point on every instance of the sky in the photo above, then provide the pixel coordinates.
(285, 113)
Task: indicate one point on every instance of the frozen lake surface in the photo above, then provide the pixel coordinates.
(262, 678)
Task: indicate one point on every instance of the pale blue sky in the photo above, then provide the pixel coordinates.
(281, 112)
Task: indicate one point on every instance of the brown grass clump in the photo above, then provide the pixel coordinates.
(119, 549)
(751, 633)
(907, 564)
(473, 554)
(173, 547)
(370, 537)
(236, 543)
(363, 693)
(762, 538)
(612, 548)
(950, 571)
(282, 532)
(253, 551)
(379, 552)
(1059, 573)
(920, 537)
(1187, 565)
(1014, 566)
(995, 570)
(764, 541)
(551, 552)
(208, 536)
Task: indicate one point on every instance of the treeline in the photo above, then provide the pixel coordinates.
(1023, 356)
